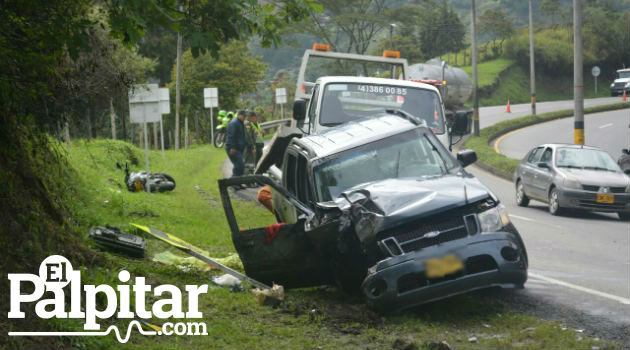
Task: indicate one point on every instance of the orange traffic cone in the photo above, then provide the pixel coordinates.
(624, 95)
(507, 110)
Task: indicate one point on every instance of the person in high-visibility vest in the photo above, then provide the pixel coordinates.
(250, 140)
(222, 114)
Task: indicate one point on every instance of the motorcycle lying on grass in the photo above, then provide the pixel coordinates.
(140, 181)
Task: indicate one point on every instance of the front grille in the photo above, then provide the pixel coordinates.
(444, 236)
(594, 188)
(606, 206)
(620, 85)
(428, 232)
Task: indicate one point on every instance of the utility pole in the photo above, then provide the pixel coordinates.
(532, 72)
(178, 83)
(578, 79)
(474, 70)
(391, 35)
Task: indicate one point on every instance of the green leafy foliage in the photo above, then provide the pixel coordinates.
(206, 24)
(234, 71)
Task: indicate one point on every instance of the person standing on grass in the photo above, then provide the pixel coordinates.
(235, 143)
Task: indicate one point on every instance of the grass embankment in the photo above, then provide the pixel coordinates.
(502, 78)
(503, 166)
(309, 318)
(514, 84)
(488, 72)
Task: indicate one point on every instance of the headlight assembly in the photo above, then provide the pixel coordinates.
(494, 219)
(627, 85)
(572, 184)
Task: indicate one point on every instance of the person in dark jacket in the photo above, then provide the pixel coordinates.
(235, 143)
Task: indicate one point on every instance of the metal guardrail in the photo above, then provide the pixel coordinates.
(273, 123)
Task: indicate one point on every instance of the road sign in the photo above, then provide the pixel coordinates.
(165, 105)
(595, 71)
(211, 97)
(144, 104)
(281, 96)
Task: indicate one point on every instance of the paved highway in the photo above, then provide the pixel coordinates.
(580, 262)
(493, 115)
(608, 130)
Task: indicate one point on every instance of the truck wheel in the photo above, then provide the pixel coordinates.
(521, 198)
(624, 215)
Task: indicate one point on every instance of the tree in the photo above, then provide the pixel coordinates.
(435, 29)
(97, 78)
(349, 26)
(36, 38)
(551, 10)
(408, 47)
(234, 71)
(159, 44)
(495, 25)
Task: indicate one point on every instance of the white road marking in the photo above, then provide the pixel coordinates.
(606, 125)
(521, 217)
(622, 300)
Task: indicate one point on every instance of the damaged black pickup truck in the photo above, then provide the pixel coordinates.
(380, 206)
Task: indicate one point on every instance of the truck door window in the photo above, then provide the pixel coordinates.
(290, 173)
(304, 193)
(313, 106)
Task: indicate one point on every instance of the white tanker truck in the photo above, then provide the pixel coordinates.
(453, 83)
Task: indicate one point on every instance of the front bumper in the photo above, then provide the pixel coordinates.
(618, 91)
(587, 200)
(400, 282)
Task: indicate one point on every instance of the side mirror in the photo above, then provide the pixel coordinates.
(466, 157)
(461, 123)
(299, 109)
(625, 151)
(543, 165)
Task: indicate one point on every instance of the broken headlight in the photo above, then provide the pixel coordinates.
(494, 219)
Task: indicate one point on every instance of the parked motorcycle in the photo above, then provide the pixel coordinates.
(140, 181)
(220, 133)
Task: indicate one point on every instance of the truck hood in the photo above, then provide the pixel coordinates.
(622, 80)
(377, 206)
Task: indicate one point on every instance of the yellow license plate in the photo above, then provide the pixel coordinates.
(437, 268)
(605, 198)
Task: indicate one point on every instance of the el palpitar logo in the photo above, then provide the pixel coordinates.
(56, 272)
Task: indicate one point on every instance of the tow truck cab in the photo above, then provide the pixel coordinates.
(337, 100)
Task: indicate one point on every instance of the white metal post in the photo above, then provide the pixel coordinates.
(211, 126)
(162, 137)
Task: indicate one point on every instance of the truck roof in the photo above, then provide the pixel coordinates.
(354, 134)
(623, 70)
(370, 80)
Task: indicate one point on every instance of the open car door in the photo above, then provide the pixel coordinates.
(281, 253)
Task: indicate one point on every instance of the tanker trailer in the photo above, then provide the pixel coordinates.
(453, 83)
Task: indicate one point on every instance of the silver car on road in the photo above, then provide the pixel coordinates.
(570, 176)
